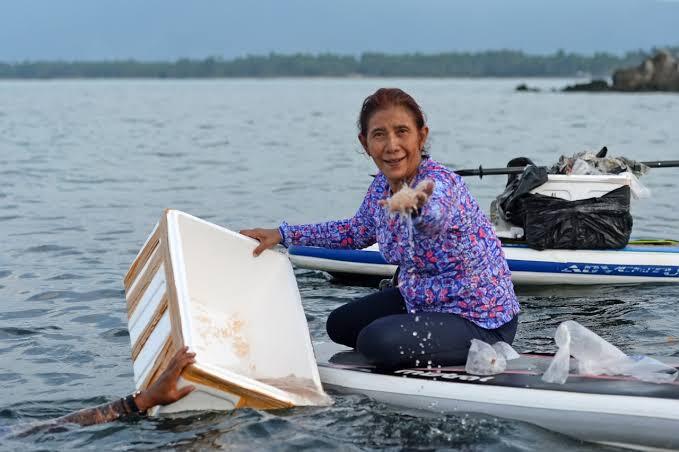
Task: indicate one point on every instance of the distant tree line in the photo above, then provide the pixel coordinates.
(500, 63)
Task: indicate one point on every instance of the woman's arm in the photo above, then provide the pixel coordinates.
(355, 232)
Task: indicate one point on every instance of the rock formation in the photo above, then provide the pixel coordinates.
(659, 73)
(593, 86)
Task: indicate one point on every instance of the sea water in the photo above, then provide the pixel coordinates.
(86, 168)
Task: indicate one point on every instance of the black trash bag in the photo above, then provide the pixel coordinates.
(508, 203)
(594, 223)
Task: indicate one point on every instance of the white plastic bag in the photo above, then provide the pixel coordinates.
(557, 372)
(648, 369)
(484, 359)
(506, 350)
(637, 189)
(595, 356)
(580, 166)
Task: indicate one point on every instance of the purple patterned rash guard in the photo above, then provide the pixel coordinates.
(449, 256)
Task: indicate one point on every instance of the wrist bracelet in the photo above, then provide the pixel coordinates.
(132, 403)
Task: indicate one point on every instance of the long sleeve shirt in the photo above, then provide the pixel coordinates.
(449, 256)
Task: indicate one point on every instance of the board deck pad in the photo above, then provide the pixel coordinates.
(524, 372)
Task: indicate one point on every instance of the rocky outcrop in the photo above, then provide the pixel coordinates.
(595, 86)
(659, 73)
(528, 89)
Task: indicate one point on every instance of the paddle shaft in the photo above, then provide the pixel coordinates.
(481, 171)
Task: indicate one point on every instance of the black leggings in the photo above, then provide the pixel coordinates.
(380, 328)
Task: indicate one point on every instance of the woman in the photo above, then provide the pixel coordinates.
(454, 284)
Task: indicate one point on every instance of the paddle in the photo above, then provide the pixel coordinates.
(481, 171)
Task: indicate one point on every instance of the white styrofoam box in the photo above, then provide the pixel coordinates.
(576, 187)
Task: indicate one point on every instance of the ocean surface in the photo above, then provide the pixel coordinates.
(86, 168)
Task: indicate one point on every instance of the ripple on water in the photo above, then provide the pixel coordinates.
(116, 334)
(25, 314)
(66, 276)
(78, 296)
(47, 248)
(169, 155)
(60, 378)
(100, 320)
(70, 228)
(10, 332)
(92, 181)
(11, 377)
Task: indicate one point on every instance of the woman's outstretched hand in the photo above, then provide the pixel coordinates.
(407, 200)
(164, 390)
(268, 238)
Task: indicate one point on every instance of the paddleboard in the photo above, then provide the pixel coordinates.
(634, 264)
(607, 409)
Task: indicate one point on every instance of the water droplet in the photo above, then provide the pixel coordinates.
(414, 333)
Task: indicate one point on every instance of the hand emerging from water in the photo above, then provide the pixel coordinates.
(408, 200)
(164, 390)
(268, 238)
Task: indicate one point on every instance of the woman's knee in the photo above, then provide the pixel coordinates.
(345, 322)
(337, 326)
(382, 342)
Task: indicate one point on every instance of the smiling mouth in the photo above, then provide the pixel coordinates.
(395, 161)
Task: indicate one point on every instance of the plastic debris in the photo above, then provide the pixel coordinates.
(486, 359)
(638, 189)
(587, 162)
(506, 350)
(596, 356)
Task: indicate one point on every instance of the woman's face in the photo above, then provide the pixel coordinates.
(395, 144)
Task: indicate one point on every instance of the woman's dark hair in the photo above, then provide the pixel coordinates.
(384, 98)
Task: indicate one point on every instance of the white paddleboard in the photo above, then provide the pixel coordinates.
(609, 409)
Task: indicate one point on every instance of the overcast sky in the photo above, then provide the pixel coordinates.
(170, 29)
